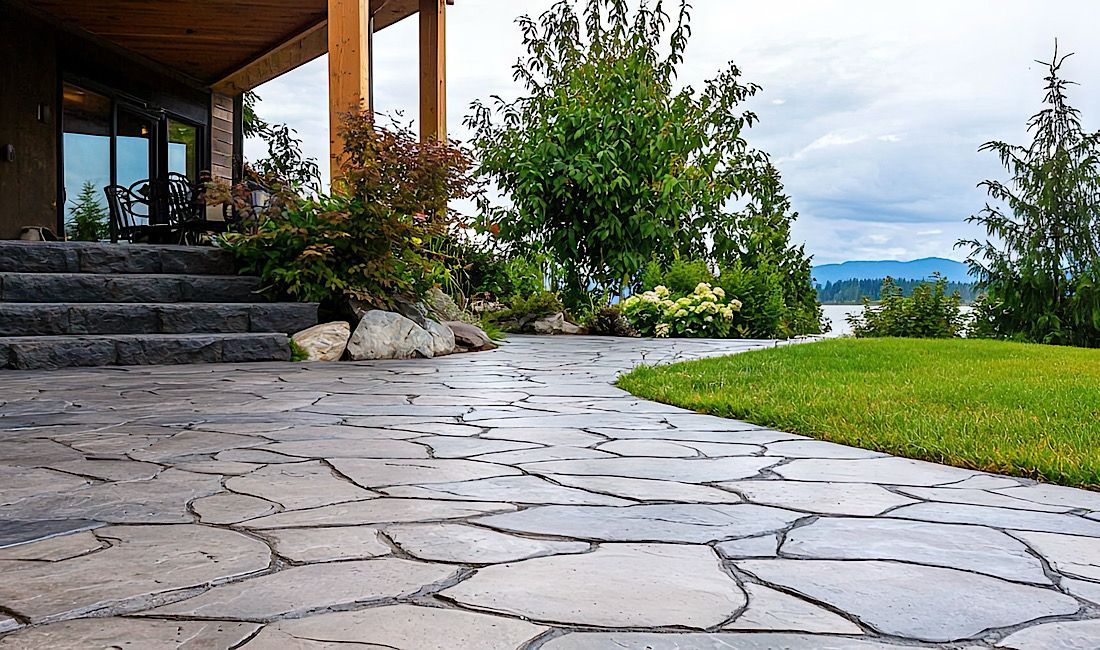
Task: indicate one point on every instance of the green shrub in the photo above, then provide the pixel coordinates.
(522, 311)
(374, 238)
(930, 313)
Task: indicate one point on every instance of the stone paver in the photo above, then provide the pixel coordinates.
(618, 585)
(511, 499)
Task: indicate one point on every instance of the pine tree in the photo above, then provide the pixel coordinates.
(88, 218)
(1041, 265)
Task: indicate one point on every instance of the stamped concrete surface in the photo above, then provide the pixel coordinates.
(512, 499)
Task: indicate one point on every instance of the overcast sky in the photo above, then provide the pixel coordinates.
(873, 110)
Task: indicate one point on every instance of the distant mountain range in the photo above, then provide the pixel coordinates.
(915, 270)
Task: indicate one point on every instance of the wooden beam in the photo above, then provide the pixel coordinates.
(349, 55)
(297, 51)
(433, 69)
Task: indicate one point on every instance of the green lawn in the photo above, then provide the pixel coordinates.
(1025, 410)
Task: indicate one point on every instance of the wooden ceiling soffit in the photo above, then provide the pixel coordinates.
(305, 47)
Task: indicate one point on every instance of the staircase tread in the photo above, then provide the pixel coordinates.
(68, 274)
(116, 337)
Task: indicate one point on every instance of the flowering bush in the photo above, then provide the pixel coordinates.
(704, 313)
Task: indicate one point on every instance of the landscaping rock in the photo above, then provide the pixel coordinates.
(443, 339)
(325, 342)
(443, 308)
(386, 335)
(555, 324)
(469, 338)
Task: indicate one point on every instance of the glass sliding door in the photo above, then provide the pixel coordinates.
(88, 122)
(116, 140)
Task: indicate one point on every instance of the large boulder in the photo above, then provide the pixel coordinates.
(386, 335)
(443, 339)
(325, 342)
(469, 338)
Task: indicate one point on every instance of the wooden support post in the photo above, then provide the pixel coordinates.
(433, 69)
(349, 42)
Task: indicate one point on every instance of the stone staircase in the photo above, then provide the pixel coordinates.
(88, 304)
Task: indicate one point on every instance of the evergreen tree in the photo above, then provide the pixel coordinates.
(87, 218)
(1041, 265)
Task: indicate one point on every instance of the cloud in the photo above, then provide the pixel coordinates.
(874, 111)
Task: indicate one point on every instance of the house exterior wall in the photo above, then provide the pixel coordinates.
(36, 56)
(28, 123)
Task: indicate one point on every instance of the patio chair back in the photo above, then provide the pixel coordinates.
(129, 212)
(184, 202)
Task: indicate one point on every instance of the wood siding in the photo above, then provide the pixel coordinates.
(28, 184)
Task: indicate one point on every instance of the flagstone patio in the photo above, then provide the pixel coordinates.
(512, 499)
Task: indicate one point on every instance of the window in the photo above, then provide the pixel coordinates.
(183, 149)
(87, 145)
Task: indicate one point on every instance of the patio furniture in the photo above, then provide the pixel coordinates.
(138, 215)
(130, 215)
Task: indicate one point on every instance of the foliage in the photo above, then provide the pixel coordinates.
(1006, 408)
(852, 292)
(610, 321)
(1041, 265)
(87, 218)
(608, 165)
(703, 313)
(929, 313)
(522, 311)
(487, 272)
(491, 329)
(297, 352)
(373, 238)
(774, 305)
(285, 167)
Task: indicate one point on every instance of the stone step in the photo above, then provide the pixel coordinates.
(53, 319)
(89, 257)
(52, 352)
(128, 288)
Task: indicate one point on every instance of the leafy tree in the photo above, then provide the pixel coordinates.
(1041, 265)
(285, 166)
(88, 217)
(607, 164)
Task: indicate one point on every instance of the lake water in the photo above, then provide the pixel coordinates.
(837, 314)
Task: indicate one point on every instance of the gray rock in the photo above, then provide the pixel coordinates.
(443, 339)
(142, 562)
(464, 544)
(887, 471)
(1062, 635)
(999, 518)
(751, 547)
(378, 511)
(325, 342)
(297, 590)
(329, 544)
(386, 335)
(686, 470)
(911, 601)
(96, 633)
(970, 548)
(825, 498)
(469, 338)
(711, 641)
(553, 324)
(1069, 555)
(399, 626)
(604, 588)
(774, 610)
(697, 524)
(516, 489)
